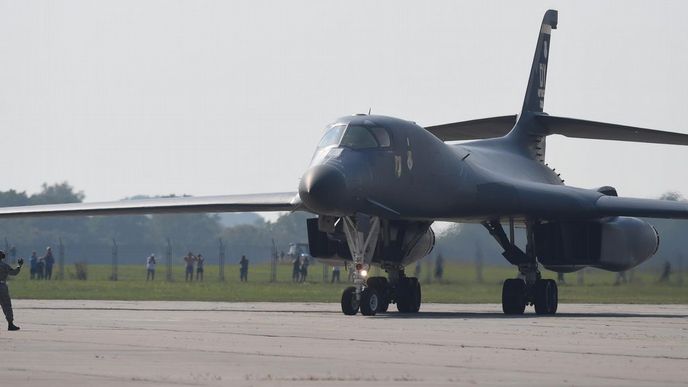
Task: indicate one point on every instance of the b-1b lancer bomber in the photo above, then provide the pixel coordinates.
(376, 184)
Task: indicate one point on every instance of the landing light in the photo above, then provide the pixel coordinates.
(364, 273)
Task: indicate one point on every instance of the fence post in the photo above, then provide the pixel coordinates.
(115, 251)
(221, 260)
(680, 269)
(478, 263)
(61, 257)
(168, 257)
(7, 251)
(273, 262)
(428, 274)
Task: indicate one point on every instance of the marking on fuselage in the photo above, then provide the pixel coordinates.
(409, 155)
(397, 166)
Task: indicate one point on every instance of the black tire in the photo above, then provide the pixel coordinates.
(514, 296)
(383, 307)
(415, 296)
(369, 302)
(349, 303)
(555, 297)
(546, 296)
(401, 296)
(382, 286)
(408, 295)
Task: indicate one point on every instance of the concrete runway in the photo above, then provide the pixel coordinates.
(111, 343)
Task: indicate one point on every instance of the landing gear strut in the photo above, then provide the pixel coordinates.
(529, 288)
(374, 294)
(361, 236)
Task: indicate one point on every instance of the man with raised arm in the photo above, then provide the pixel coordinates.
(5, 300)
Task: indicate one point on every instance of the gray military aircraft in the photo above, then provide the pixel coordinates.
(378, 183)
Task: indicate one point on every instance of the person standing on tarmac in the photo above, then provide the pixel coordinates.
(5, 300)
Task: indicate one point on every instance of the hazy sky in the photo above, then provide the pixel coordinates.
(218, 97)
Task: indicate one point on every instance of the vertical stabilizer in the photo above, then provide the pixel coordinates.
(527, 132)
(535, 93)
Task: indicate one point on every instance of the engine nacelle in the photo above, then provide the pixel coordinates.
(614, 244)
(399, 242)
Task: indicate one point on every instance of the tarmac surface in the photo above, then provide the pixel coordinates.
(112, 343)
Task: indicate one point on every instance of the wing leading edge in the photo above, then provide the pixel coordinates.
(286, 201)
(644, 208)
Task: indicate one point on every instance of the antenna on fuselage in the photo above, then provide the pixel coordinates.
(369, 110)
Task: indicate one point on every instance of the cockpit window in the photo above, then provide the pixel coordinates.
(381, 136)
(358, 137)
(332, 136)
(365, 137)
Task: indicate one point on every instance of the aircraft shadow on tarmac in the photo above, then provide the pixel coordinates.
(500, 315)
(391, 314)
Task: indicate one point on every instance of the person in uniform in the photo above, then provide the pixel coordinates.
(5, 300)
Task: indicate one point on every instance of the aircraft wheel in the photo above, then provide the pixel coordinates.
(514, 296)
(546, 296)
(381, 285)
(369, 302)
(349, 303)
(415, 296)
(408, 295)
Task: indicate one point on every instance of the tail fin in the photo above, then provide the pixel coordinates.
(535, 93)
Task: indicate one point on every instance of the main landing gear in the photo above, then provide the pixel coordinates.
(529, 288)
(379, 293)
(373, 295)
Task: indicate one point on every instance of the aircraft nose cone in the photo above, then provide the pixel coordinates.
(323, 189)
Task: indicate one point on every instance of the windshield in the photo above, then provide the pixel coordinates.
(332, 136)
(365, 137)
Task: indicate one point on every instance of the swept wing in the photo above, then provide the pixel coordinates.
(286, 201)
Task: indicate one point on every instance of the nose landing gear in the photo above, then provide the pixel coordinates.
(373, 295)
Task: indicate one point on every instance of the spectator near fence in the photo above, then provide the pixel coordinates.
(33, 266)
(40, 268)
(296, 270)
(150, 267)
(335, 274)
(243, 269)
(439, 267)
(304, 267)
(49, 261)
(199, 267)
(189, 259)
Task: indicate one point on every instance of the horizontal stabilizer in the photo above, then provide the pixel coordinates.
(287, 201)
(571, 127)
(474, 129)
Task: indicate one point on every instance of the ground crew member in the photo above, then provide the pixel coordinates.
(5, 300)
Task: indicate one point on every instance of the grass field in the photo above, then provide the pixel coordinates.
(458, 286)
